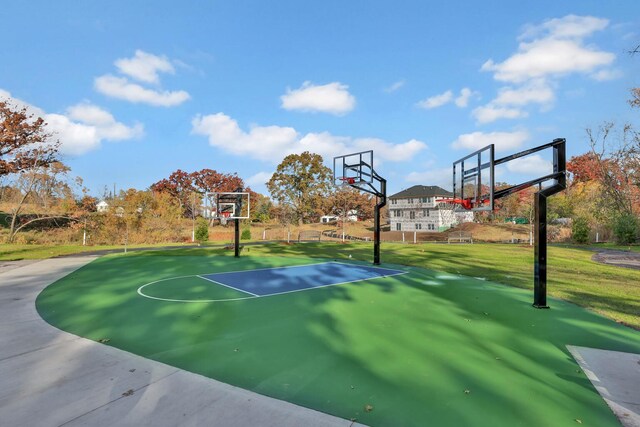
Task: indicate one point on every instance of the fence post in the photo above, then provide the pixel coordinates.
(415, 236)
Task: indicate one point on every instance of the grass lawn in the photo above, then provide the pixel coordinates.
(608, 290)
(428, 347)
(611, 291)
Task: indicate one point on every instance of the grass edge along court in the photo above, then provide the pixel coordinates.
(426, 346)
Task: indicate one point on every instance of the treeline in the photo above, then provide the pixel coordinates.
(603, 194)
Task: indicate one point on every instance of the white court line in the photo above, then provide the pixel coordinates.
(400, 272)
(229, 286)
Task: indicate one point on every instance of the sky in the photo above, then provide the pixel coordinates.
(137, 90)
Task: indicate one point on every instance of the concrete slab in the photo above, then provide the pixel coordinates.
(616, 376)
(52, 378)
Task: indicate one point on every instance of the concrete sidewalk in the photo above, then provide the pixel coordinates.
(52, 378)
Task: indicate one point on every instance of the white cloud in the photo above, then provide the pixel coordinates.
(570, 26)
(332, 98)
(83, 128)
(121, 88)
(105, 124)
(537, 92)
(502, 140)
(463, 100)
(546, 53)
(436, 101)
(557, 49)
(604, 75)
(442, 177)
(259, 179)
(395, 86)
(144, 66)
(530, 165)
(273, 143)
(548, 58)
(490, 113)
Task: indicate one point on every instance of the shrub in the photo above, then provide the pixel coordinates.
(202, 230)
(580, 230)
(246, 234)
(625, 229)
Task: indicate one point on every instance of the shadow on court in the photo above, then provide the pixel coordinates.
(424, 346)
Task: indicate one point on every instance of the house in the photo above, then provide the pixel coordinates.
(417, 209)
(352, 216)
(325, 219)
(102, 206)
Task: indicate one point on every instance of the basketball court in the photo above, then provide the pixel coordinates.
(388, 345)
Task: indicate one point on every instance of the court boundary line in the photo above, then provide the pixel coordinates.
(228, 286)
(139, 291)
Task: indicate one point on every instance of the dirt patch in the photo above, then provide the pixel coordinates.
(618, 258)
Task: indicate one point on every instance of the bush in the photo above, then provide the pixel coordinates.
(246, 234)
(625, 229)
(580, 230)
(202, 230)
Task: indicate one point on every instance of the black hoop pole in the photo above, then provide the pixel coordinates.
(376, 221)
(368, 187)
(540, 227)
(237, 238)
(237, 224)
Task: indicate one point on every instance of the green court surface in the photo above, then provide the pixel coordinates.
(423, 348)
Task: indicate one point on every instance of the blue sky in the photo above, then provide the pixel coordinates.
(136, 90)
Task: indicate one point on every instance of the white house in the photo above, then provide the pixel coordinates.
(102, 206)
(416, 209)
(328, 218)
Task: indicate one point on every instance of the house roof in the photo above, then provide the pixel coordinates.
(422, 191)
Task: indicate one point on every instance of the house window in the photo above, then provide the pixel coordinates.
(425, 213)
(394, 201)
(398, 226)
(429, 199)
(412, 215)
(431, 226)
(418, 226)
(397, 213)
(410, 201)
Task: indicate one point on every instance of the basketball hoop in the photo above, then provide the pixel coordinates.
(465, 203)
(347, 180)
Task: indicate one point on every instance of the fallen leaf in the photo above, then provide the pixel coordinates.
(128, 392)
(368, 408)
(467, 391)
(104, 340)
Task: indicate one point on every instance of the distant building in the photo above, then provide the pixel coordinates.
(328, 218)
(352, 216)
(417, 209)
(102, 206)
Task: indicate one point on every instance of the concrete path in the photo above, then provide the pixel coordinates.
(616, 376)
(52, 378)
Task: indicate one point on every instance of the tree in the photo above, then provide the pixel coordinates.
(617, 164)
(179, 186)
(580, 230)
(625, 228)
(301, 181)
(25, 143)
(182, 185)
(348, 199)
(202, 230)
(261, 207)
(45, 191)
